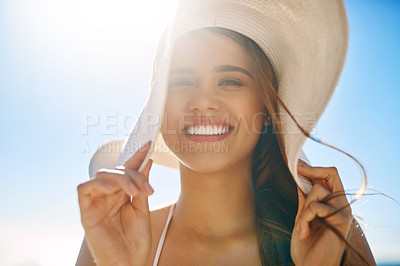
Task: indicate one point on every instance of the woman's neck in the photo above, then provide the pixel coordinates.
(218, 204)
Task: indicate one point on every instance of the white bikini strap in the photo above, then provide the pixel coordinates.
(162, 239)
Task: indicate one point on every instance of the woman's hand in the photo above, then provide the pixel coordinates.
(118, 230)
(313, 243)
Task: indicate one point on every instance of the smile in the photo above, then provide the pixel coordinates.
(206, 130)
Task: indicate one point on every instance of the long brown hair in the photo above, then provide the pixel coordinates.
(274, 186)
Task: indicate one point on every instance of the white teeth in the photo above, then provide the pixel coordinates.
(206, 130)
(215, 129)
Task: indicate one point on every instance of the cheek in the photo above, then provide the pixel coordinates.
(168, 117)
(171, 120)
(250, 114)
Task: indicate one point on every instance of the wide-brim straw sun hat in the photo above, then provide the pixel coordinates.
(306, 42)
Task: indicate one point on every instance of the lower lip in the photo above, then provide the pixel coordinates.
(207, 138)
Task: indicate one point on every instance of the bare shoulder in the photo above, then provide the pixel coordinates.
(161, 211)
(158, 218)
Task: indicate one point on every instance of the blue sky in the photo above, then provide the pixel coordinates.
(64, 62)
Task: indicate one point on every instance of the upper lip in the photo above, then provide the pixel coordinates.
(206, 121)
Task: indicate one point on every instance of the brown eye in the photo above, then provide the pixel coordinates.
(180, 83)
(231, 82)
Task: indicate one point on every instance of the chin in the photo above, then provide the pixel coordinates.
(208, 157)
(204, 165)
(206, 162)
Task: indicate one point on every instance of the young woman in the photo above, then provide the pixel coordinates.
(239, 202)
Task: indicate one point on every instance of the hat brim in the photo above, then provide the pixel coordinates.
(306, 42)
(107, 156)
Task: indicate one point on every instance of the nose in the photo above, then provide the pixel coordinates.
(204, 99)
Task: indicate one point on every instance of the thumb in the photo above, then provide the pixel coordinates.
(136, 160)
(140, 201)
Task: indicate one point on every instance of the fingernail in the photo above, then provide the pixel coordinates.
(148, 188)
(145, 145)
(133, 189)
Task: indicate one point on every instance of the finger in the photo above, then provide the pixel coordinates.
(118, 179)
(313, 210)
(321, 194)
(140, 181)
(313, 180)
(90, 189)
(302, 199)
(130, 181)
(93, 186)
(300, 161)
(146, 170)
(329, 174)
(137, 159)
(321, 182)
(140, 201)
(317, 193)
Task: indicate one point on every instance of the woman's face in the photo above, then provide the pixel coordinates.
(214, 113)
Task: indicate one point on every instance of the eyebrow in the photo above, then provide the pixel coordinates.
(230, 68)
(182, 70)
(222, 68)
